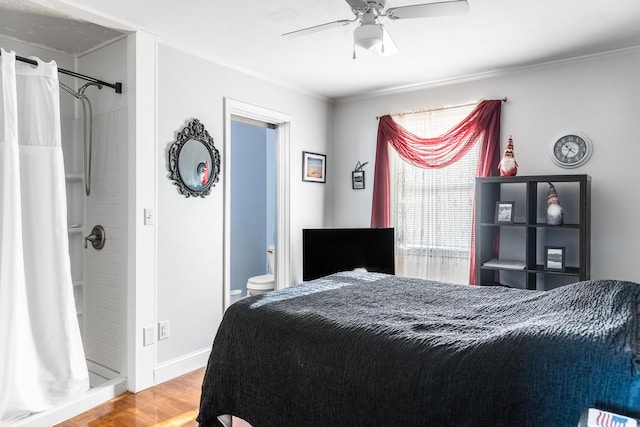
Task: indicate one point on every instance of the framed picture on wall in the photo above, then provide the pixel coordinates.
(357, 180)
(314, 167)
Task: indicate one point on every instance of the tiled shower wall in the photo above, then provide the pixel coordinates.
(105, 315)
(105, 269)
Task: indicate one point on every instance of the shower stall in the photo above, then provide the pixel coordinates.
(96, 195)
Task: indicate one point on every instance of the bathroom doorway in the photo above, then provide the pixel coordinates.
(243, 114)
(253, 200)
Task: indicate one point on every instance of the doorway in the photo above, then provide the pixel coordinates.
(253, 200)
(281, 122)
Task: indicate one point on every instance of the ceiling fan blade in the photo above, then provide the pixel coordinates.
(317, 28)
(388, 47)
(428, 10)
(358, 4)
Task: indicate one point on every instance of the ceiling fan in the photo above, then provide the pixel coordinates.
(371, 33)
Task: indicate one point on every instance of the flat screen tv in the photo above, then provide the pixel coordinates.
(331, 250)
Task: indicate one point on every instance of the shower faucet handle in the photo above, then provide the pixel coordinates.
(97, 237)
(91, 238)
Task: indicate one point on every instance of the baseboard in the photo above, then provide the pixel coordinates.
(180, 365)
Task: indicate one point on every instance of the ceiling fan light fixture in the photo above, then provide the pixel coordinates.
(371, 33)
(368, 35)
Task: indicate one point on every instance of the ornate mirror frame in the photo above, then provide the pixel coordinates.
(194, 162)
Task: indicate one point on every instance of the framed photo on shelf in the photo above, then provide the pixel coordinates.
(314, 167)
(554, 258)
(504, 212)
(357, 180)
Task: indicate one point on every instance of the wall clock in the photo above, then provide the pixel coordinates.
(571, 150)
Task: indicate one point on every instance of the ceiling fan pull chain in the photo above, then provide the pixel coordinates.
(354, 49)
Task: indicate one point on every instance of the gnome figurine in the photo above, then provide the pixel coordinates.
(555, 212)
(508, 165)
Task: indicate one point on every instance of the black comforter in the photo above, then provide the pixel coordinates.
(367, 349)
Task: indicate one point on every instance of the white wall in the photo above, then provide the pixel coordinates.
(599, 96)
(140, 87)
(190, 230)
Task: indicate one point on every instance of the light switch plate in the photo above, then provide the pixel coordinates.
(148, 216)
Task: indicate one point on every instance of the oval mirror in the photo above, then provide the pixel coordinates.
(194, 162)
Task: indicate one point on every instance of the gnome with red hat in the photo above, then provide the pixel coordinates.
(508, 165)
(555, 213)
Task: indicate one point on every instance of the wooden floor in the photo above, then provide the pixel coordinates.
(172, 403)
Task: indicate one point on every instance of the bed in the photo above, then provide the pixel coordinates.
(366, 349)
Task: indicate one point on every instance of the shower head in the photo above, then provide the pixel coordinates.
(80, 93)
(86, 85)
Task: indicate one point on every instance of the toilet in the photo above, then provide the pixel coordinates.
(258, 285)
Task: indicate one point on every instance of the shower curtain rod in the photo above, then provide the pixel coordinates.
(115, 86)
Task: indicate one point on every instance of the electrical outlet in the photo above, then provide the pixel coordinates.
(163, 330)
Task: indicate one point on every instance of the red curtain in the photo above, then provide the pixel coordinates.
(482, 124)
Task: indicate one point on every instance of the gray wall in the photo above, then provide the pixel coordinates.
(190, 231)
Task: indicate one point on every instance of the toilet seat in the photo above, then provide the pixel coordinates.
(258, 285)
(266, 282)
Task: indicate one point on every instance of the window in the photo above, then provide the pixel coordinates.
(432, 209)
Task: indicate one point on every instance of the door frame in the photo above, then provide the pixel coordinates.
(283, 122)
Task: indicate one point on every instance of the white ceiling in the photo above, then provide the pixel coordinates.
(246, 34)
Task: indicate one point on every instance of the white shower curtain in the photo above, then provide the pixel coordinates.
(41, 356)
